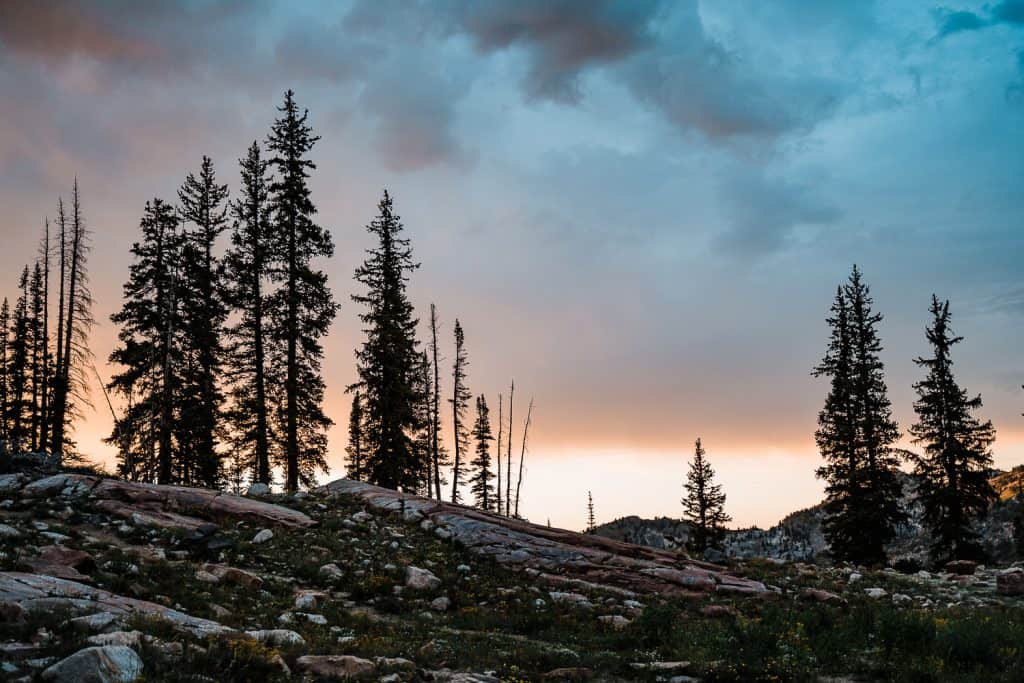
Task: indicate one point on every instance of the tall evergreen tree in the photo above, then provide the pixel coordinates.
(356, 440)
(150, 350)
(856, 433)
(247, 265)
(954, 468)
(203, 211)
(704, 504)
(388, 359)
(18, 370)
(459, 402)
(5, 378)
(591, 521)
(480, 468)
(70, 381)
(302, 308)
(47, 379)
(423, 434)
(37, 352)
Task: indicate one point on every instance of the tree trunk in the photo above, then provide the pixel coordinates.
(522, 455)
(291, 381)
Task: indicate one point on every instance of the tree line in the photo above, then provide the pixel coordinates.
(218, 376)
(44, 361)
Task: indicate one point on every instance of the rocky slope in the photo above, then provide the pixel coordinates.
(112, 581)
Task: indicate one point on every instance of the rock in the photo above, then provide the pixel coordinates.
(394, 664)
(336, 667)
(331, 572)
(33, 592)
(258, 489)
(8, 531)
(440, 604)
(616, 621)
(571, 599)
(127, 638)
(263, 536)
(717, 611)
(277, 636)
(661, 667)
(854, 577)
(68, 557)
(875, 593)
(318, 619)
(233, 575)
(1010, 582)
(421, 579)
(818, 595)
(307, 599)
(106, 664)
(961, 567)
(94, 623)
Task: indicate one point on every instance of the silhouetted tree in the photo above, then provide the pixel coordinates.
(149, 350)
(5, 377)
(423, 433)
(459, 402)
(591, 522)
(522, 455)
(302, 308)
(203, 211)
(388, 359)
(18, 370)
(856, 432)
(37, 352)
(438, 453)
(247, 267)
(70, 382)
(45, 371)
(501, 428)
(954, 469)
(481, 475)
(508, 461)
(356, 439)
(704, 504)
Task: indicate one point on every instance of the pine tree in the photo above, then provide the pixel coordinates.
(501, 428)
(246, 269)
(856, 433)
(5, 378)
(18, 370)
(203, 207)
(45, 371)
(37, 351)
(704, 504)
(481, 475)
(388, 359)
(70, 380)
(356, 440)
(954, 469)
(150, 351)
(459, 402)
(302, 308)
(591, 521)
(423, 432)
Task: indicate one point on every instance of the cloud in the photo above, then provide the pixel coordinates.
(958, 21)
(765, 212)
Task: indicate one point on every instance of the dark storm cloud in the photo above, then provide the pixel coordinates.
(958, 21)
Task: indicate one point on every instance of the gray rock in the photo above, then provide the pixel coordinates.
(258, 489)
(106, 664)
(336, 667)
(440, 604)
(331, 572)
(421, 579)
(276, 636)
(263, 536)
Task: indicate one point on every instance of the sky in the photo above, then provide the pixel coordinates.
(638, 210)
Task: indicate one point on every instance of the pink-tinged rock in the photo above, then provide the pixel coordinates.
(719, 611)
(818, 595)
(233, 575)
(69, 557)
(336, 667)
(1010, 581)
(150, 518)
(35, 592)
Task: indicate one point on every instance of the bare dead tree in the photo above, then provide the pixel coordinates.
(501, 428)
(522, 455)
(508, 470)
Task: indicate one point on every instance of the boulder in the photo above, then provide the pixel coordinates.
(331, 572)
(101, 664)
(440, 604)
(1010, 582)
(818, 595)
(233, 575)
(421, 579)
(336, 667)
(258, 489)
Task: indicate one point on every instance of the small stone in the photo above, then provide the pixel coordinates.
(126, 638)
(875, 593)
(331, 572)
(616, 621)
(279, 637)
(306, 599)
(263, 536)
(719, 611)
(8, 531)
(440, 604)
(336, 667)
(421, 579)
(854, 577)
